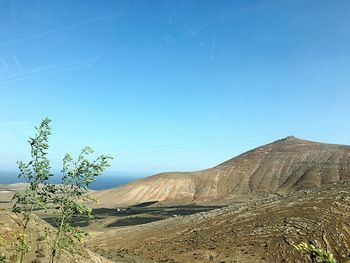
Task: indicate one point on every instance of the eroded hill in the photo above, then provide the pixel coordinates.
(280, 167)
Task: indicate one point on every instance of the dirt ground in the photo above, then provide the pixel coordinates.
(258, 231)
(40, 238)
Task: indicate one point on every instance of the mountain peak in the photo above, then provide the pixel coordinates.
(290, 138)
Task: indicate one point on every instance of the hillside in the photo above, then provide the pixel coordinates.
(257, 231)
(7, 191)
(280, 167)
(39, 232)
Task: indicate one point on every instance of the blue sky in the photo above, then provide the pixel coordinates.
(172, 85)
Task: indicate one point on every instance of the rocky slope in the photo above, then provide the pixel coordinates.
(39, 235)
(280, 167)
(257, 231)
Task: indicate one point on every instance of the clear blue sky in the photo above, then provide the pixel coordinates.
(172, 85)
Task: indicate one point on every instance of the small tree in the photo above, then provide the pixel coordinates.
(36, 172)
(64, 201)
(73, 194)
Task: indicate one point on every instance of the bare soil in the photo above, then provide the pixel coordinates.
(258, 231)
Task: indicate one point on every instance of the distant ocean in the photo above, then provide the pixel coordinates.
(104, 181)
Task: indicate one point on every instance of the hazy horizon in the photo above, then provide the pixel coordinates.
(103, 181)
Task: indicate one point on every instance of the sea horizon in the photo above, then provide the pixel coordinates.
(104, 181)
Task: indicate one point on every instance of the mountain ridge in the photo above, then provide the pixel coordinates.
(279, 167)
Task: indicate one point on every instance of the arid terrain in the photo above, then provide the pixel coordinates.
(281, 167)
(251, 208)
(257, 231)
(175, 131)
(39, 232)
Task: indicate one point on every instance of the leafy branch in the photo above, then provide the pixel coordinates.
(36, 173)
(317, 254)
(70, 203)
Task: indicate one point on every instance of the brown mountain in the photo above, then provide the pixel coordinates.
(280, 167)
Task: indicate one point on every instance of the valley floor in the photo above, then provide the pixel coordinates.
(257, 231)
(260, 230)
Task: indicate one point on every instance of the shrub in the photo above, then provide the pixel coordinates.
(63, 201)
(316, 254)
